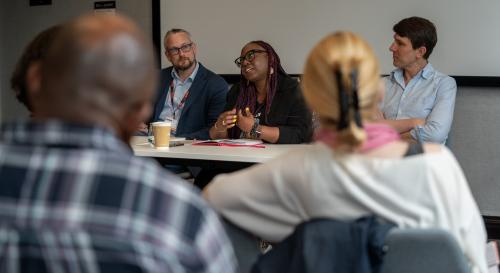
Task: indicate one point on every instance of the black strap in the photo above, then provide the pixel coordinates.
(355, 98)
(414, 148)
(343, 102)
(348, 100)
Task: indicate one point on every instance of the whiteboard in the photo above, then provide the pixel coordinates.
(468, 31)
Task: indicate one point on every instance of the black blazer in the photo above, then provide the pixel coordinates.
(288, 111)
(203, 106)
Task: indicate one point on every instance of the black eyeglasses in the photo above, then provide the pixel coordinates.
(249, 56)
(184, 48)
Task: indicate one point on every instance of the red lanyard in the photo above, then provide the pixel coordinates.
(183, 100)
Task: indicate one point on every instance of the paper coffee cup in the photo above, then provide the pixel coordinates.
(161, 133)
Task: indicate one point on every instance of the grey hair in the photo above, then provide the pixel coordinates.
(177, 30)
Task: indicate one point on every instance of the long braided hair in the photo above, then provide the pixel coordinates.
(248, 92)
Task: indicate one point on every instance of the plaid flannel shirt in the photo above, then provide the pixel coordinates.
(75, 199)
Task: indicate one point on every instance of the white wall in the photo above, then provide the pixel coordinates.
(467, 30)
(22, 22)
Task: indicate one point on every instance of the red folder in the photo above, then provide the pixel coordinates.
(231, 143)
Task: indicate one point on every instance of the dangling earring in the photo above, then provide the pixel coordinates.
(271, 71)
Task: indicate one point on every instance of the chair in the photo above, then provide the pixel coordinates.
(408, 251)
(246, 246)
(423, 250)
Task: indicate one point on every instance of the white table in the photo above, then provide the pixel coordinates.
(211, 153)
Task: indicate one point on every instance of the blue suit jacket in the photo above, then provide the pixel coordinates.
(206, 100)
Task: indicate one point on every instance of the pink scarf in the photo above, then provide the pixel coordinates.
(377, 135)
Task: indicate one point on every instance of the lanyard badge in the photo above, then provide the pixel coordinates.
(181, 103)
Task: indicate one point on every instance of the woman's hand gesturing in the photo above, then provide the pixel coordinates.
(245, 120)
(226, 120)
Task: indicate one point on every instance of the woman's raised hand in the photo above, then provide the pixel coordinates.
(226, 120)
(245, 120)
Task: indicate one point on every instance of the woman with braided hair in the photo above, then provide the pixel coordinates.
(267, 104)
(356, 168)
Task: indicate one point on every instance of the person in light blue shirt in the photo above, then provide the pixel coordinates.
(419, 101)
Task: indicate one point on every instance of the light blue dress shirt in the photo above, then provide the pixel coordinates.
(430, 95)
(180, 90)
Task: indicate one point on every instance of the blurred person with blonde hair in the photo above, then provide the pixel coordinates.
(356, 168)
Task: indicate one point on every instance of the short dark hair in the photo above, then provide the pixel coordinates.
(36, 50)
(420, 31)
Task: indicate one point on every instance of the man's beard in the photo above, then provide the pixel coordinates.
(186, 66)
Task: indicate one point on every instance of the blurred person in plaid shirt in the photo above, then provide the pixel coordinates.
(73, 198)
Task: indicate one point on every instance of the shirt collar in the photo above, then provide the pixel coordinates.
(190, 78)
(57, 133)
(426, 73)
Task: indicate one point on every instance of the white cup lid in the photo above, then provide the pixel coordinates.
(162, 123)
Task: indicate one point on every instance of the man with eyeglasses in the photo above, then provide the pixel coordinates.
(189, 95)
